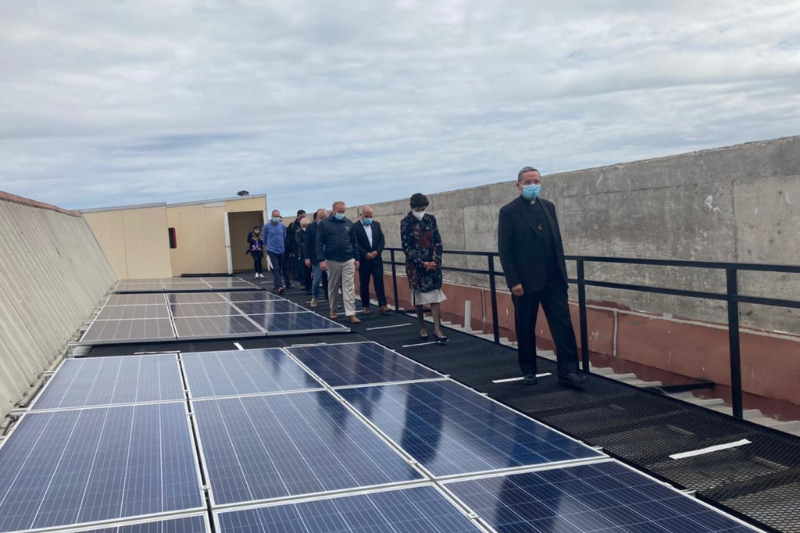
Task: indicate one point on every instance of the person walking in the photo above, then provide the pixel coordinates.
(371, 243)
(337, 253)
(310, 242)
(305, 272)
(291, 249)
(532, 255)
(255, 247)
(422, 246)
(275, 238)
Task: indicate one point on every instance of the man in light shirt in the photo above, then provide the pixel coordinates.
(371, 243)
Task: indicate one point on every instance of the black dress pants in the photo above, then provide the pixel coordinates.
(373, 269)
(553, 299)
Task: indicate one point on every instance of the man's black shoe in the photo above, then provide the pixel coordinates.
(573, 379)
(530, 379)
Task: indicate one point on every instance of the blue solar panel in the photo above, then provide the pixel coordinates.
(113, 380)
(239, 372)
(70, 467)
(414, 510)
(452, 430)
(263, 447)
(266, 307)
(187, 524)
(295, 323)
(604, 497)
(360, 364)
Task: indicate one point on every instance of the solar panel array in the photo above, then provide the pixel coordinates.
(325, 438)
(130, 318)
(129, 286)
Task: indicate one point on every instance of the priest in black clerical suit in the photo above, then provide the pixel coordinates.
(532, 255)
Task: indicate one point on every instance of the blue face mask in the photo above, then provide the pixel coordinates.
(529, 192)
(339, 216)
(275, 220)
(367, 221)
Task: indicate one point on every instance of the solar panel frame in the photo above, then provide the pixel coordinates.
(55, 379)
(183, 327)
(365, 523)
(296, 351)
(161, 325)
(107, 522)
(130, 526)
(192, 364)
(534, 505)
(206, 463)
(591, 454)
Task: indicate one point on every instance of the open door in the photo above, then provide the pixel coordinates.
(228, 243)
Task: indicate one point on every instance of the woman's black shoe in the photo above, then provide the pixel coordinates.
(440, 340)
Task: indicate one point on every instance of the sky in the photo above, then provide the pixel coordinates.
(116, 102)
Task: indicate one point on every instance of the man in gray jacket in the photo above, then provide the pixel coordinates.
(337, 253)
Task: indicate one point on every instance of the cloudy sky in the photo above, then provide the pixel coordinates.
(109, 102)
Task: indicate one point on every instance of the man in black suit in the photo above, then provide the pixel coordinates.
(370, 246)
(532, 255)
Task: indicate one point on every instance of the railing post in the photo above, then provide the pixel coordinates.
(583, 320)
(733, 342)
(394, 281)
(493, 291)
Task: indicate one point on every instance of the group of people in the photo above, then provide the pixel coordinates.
(331, 248)
(328, 250)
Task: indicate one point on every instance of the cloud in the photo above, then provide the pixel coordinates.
(109, 103)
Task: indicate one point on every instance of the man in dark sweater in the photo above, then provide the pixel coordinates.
(337, 253)
(532, 255)
(310, 243)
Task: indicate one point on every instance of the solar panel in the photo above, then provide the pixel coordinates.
(185, 524)
(412, 510)
(359, 364)
(296, 323)
(184, 286)
(450, 429)
(600, 497)
(232, 284)
(263, 447)
(135, 299)
(112, 380)
(259, 296)
(195, 298)
(131, 312)
(220, 326)
(205, 309)
(120, 331)
(268, 306)
(62, 468)
(139, 286)
(238, 372)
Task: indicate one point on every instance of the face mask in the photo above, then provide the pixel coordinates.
(339, 216)
(418, 214)
(256, 231)
(275, 220)
(367, 221)
(531, 191)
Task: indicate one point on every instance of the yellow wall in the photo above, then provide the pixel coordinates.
(135, 241)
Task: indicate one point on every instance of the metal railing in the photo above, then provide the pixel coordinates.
(731, 297)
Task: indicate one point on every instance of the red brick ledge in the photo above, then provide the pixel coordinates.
(8, 197)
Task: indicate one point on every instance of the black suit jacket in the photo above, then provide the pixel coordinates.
(521, 246)
(378, 242)
(310, 243)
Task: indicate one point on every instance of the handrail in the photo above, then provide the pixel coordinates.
(731, 296)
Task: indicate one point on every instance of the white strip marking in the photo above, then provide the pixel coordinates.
(238, 345)
(387, 327)
(710, 449)
(420, 344)
(509, 380)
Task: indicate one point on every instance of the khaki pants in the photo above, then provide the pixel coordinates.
(342, 275)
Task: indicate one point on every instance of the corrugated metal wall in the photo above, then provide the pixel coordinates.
(52, 275)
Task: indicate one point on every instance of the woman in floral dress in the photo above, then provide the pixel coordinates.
(422, 246)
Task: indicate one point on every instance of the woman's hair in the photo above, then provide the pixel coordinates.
(257, 228)
(419, 200)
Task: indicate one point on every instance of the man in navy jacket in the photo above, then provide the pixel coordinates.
(337, 253)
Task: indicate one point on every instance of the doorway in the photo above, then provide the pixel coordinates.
(239, 225)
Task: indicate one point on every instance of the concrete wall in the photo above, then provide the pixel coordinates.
(135, 241)
(52, 274)
(740, 203)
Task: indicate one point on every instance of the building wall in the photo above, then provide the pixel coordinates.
(134, 240)
(52, 275)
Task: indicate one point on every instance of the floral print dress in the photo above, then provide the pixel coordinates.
(422, 244)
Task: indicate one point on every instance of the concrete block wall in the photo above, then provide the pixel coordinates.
(52, 274)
